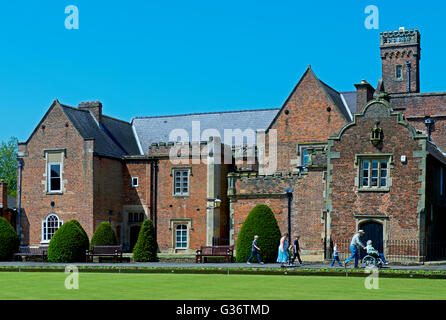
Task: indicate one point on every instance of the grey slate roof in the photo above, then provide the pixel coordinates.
(12, 203)
(157, 129)
(122, 133)
(112, 139)
(337, 99)
(350, 99)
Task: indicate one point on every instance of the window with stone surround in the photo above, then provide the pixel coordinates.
(181, 182)
(399, 72)
(303, 152)
(136, 217)
(374, 173)
(54, 170)
(180, 228)
(55, 177)
(49, 227)
(135, 182)
(181, 236)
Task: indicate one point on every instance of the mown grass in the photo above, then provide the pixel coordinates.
(125, 286)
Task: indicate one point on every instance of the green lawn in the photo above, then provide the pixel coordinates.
(50, 285)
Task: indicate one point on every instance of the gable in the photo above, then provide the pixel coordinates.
(313, 111)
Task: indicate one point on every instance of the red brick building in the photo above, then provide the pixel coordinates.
(330, 134)
(366, 158)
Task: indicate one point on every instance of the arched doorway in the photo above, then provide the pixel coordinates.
(372, 231)
(134, 232)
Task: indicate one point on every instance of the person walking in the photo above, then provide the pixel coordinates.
(283, 249)
(255, 251)
(296, 250)
(336, 256)
(355, 245)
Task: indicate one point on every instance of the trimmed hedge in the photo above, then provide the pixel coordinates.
(104, 235)
(261, 222)
(80, 226)
(9, 240)
(145, 249)
(68, 243)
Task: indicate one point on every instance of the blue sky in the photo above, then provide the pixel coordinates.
(145, 58)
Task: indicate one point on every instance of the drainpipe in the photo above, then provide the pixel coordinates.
(151, 189)
(19, 200)
(155, 196)
(289, 192)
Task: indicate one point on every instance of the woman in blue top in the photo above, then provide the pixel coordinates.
(283, 249)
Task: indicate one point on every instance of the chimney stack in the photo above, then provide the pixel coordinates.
(3, 196)
(95, 107)
(364, 93)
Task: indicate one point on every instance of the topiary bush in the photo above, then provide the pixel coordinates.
(145, 249)
(104, 235)
(261, 222)
(68, 243)
(80, 226)
(9, 240)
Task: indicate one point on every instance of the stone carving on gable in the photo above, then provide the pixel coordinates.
(376, 134)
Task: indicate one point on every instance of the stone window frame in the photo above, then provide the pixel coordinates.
(135, 185)
(174, 222)
(44, 230)
(307, 145)
(402, 72)
(49, 178)
(63, 153)
(172, 174)
(376, 156)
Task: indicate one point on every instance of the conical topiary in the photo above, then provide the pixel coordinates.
(68, 244)
(9, 240)
(261, 222)
(146, 247)
(80, 226)
(104, 235)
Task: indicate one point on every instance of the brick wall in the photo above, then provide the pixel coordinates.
(76, 202)
(307, 206)
(400, 204)
(108, 191)
(191, 207)
(416, 107)
(307, 120)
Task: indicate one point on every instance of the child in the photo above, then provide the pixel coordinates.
(372, 252)
(336, 255)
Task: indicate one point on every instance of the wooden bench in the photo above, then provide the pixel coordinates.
(104, 251)
(25, 251)
(215, 251)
